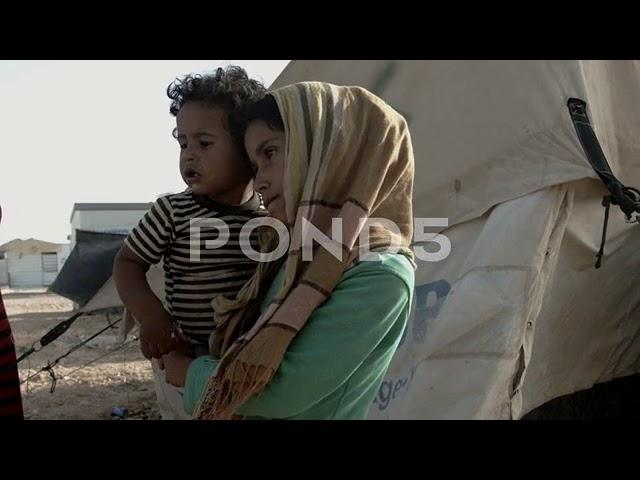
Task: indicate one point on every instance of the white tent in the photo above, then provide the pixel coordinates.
(517, 314)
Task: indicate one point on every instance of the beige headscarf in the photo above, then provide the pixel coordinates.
(348, 156)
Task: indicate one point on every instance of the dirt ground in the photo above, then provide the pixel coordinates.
(124, 378)
(120, 379)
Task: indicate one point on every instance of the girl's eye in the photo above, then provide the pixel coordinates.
(269, 152)
(205, 144)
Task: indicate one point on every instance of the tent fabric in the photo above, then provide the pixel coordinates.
(516, 314)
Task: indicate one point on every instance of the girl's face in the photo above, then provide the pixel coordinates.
(265, 148)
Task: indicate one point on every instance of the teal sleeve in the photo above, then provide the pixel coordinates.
(336, 340)
(198, 375)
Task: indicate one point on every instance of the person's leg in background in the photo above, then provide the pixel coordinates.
(10, 397)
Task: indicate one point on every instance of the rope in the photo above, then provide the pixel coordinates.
(50, 365)
(119, 347)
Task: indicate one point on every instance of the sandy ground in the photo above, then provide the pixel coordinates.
(121, 379)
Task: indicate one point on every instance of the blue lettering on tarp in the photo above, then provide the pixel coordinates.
(428, 306)
(389, 389)
(424, 311)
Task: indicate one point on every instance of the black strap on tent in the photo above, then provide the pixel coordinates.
(627, 198)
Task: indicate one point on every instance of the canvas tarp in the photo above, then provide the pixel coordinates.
(516, 314)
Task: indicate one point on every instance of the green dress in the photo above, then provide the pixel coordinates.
(335, 365)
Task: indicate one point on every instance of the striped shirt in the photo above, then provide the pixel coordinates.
(166, 233)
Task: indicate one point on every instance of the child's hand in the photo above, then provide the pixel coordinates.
(176, 366)
(156, 336)
(183, 342)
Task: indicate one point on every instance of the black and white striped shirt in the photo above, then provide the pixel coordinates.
(190, 284)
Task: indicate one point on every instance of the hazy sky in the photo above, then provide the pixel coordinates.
(89, 131)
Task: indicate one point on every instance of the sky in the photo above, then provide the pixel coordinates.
(89, 131)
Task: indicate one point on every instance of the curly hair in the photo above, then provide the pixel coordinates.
(229, 88)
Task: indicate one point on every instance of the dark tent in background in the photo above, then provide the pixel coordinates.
(88, 266)
(86, 277)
